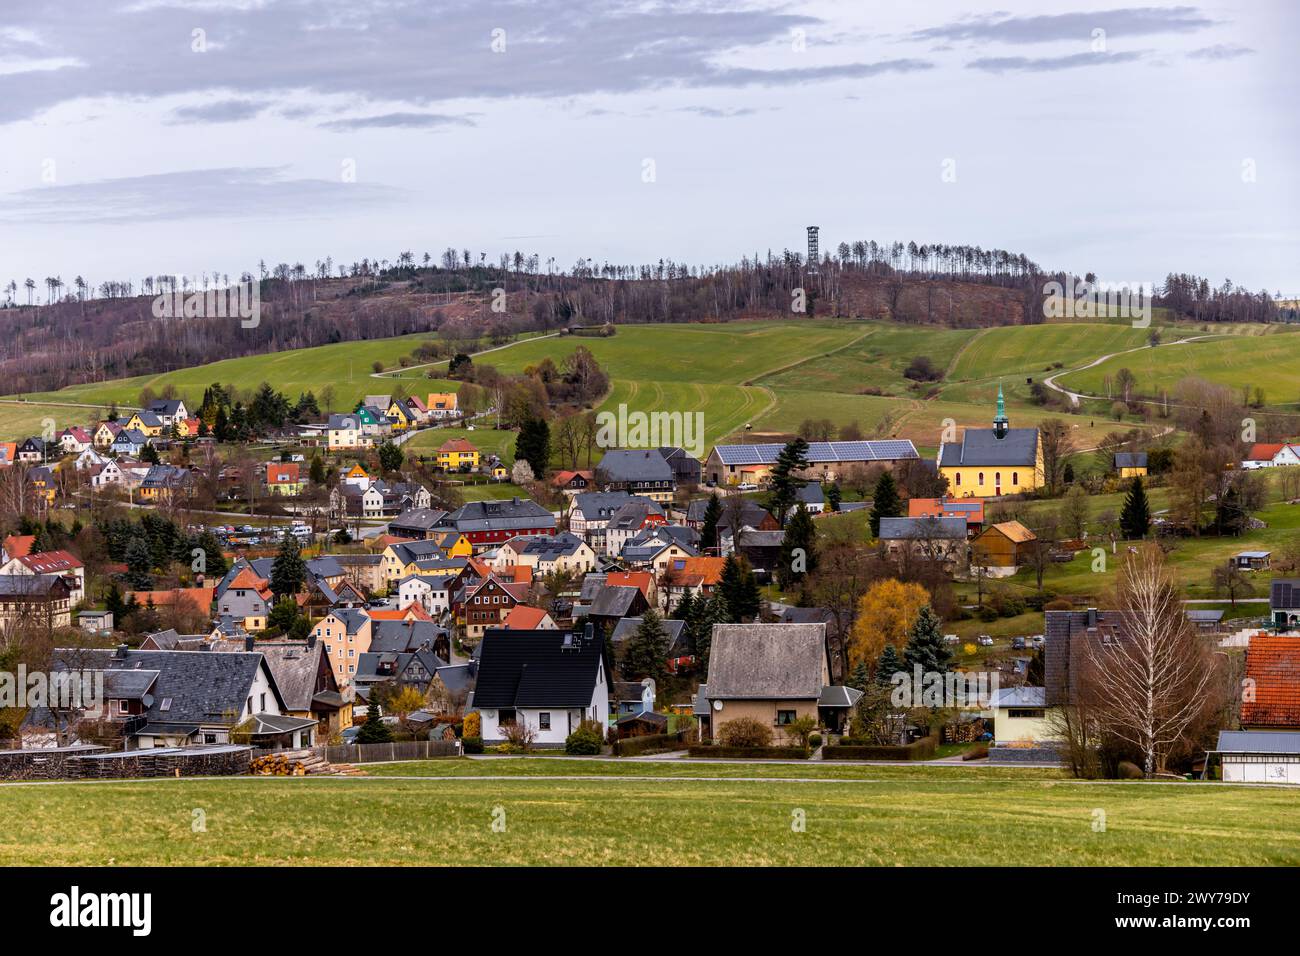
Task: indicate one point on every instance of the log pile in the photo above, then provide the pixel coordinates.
(276, 765)
(300, 763)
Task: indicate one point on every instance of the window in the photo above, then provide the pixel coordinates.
(784, 717)
(997, 478)
(959, 479)
(250, 704)
(981, 478)
(544, 720)
(1015, 478)
(261, 701)
(505, 717)
(1025, 713)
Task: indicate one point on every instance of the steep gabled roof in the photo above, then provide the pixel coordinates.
(1273, 665)
(539, 668)
(767, 662)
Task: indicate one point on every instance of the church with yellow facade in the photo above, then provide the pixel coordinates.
(989, 462)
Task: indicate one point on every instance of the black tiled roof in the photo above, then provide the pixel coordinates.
(537, 669)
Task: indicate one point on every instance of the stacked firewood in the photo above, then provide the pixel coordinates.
(277, 765)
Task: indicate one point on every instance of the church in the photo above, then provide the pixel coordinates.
(988, 462)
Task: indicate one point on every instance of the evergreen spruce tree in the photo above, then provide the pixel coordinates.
(289, 570)
(390, 457)
(139, 565)
(709, 530)
(317, 472)
(887, 665)
(798, 548)
(885, 502)
(708, 611)
(374, 730)
(1135, 518)
(784, 480)
(534, 445)
(645, 653)
(685, 608)
(739, 590)
(860, 679)
(834, 496)
(925, 644)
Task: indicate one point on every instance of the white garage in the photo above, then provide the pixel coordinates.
(1259, 756)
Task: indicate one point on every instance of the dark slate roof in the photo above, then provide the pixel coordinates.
(295, 667)
(1130, 459)
(634, 465)
(421, 519)
(278, 724)
(548, 547)
(810, 494)
(980, 447)
(128, 685)
(626, 627)
(893, 529)
(457, 677)
(398, 636)
(1064, 635)
(751, 513)
(344, 422)
(614, 601)
(504, 515)
(598, 505)
(1285, 594)
(700, 703)
(767, 661)
(1204, 617)
(837, 695)
(633, 514)
(196, 687)
(537, 669)
(1258, 742)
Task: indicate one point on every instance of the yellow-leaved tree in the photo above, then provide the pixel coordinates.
(885, 615)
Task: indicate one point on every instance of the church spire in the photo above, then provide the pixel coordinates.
(1000, 420)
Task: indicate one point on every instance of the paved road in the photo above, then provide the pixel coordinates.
(1050, 381)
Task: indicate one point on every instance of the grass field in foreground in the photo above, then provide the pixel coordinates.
(945, 817)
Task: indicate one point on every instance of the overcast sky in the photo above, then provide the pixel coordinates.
(159, 136)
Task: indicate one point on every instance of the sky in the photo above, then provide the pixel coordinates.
(146, 137)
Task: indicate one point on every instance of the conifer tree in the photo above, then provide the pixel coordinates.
(885, 502)
(798, 548)
(1135, 518)
(925, 644)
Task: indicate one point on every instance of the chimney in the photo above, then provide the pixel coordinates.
(589, 631)
(120, 652)
(1092, 617)
(311, 639)
(248, 642)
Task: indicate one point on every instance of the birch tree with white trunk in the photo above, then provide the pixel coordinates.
(1152, 677)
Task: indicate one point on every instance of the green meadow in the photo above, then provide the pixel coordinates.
(580, 813)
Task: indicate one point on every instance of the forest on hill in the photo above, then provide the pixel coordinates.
(87, 333)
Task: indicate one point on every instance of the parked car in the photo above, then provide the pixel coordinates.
(747, 486)
(950, 638)
(984, 641)
(1017, 643)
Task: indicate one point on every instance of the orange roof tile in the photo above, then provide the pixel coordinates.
(1273, 665)
(19, 545)
(522, 617)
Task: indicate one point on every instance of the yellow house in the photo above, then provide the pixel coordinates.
(457, 454)
(105, 434)
(1131, 464)
(1021, 718)
(401, 559)
(400, 414)
(147, 423)
(990, 462)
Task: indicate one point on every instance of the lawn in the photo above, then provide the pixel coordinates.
(1264, 361)
(26, 420)
(934, 816)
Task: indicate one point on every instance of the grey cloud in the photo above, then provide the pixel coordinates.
(222, 111)
(416, 54)
(1221, 51)
(398, 121)
(1025, 64)
(1136, 21)
(196, 195)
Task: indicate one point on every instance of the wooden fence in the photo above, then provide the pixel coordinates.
(404, 750)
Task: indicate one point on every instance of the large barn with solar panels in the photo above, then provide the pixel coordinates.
(737, 464)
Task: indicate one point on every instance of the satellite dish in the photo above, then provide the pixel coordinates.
(717, 705)
(147, 700)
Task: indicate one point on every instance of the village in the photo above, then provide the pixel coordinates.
(653, 604)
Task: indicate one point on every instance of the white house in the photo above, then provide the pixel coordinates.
(431, 592)
(344, 431)
(549, 681)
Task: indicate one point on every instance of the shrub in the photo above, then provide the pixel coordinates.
(744, 732)
(978, 752)
(1060, 604)
(473, 725)
(815, 741)
(585, 740)
(801, 729)
(647, 743)
(752, 753)
(518, 736)
(1127, 770)
(473, 745)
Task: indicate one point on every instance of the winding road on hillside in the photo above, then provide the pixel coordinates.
(1074, 397)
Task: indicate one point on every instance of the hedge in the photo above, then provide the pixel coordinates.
(631, 746)
(752, 753)
(922, 749)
